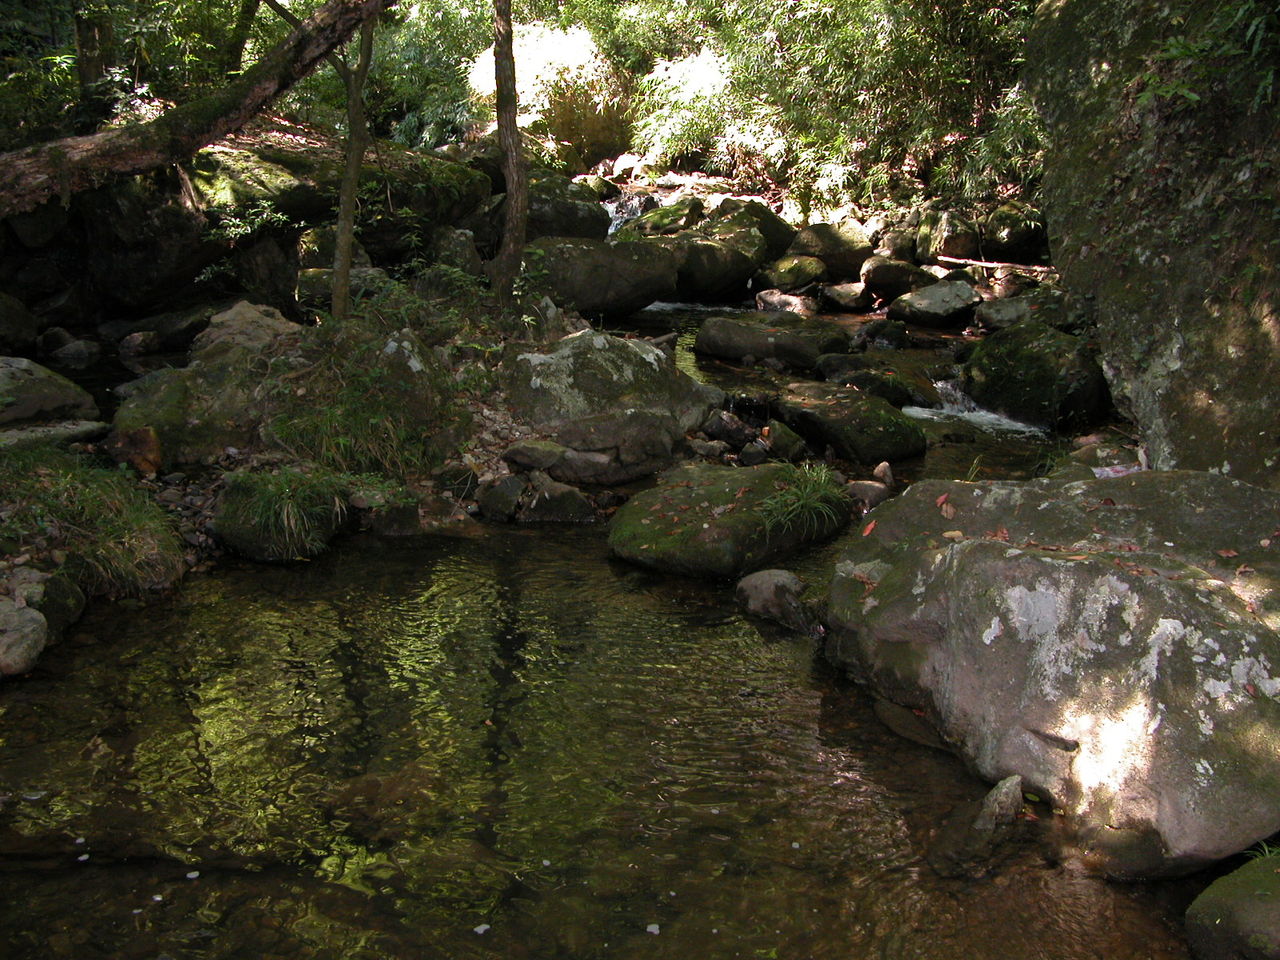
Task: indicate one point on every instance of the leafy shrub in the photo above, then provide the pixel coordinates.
(119, 542)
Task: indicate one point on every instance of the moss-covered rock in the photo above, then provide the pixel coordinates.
(946, 233)
(1038, 375)
(857, 426)
(673, 218)
(706, 520)
(888, 279)
(948, 303)
(843, 247)
(1143, 188)
(794, 339)
(32, 393)
(559, 207)
(792, 272)
(1107, 640)
(1238, 916)
(710, 270)
(601, 278)
(777, 233)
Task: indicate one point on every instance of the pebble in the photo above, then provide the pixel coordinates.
(483, 928)
(653, 928)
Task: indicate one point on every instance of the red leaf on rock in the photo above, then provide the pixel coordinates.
(941, 500)
(866, 531)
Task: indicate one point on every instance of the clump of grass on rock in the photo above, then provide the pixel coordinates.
(286, 514)
(116, 539)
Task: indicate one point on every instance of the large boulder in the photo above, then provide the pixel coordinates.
(602, 278)
(792, 273)
(948, 303)
(615, 409)
(841, 246)
(558, 207)
(1109, 641)
(705, 520)
(709, 269)
(30, 393)
(794, 339)
(1143, 188)
(739, 232)
(1014, 232)
(889, 279)
(857, 426)
(663, 221)
(777, 233)
(946, 233)
(1036, 374)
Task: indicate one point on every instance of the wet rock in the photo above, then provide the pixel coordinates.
(869, 493)
(883, 332)
(30, 392)
(549, 501)
(1106, 640)
(1038, 375)
(968, 842)
(853, 297)
(601, 187)
(140, 448)
(500, 499)
(606, 279)
(726, 426)
(777, 301)
(887, 386)
(775, 595)
(889, 279)
(944, 304)
(709, 270)
(791, 273)
(753, 454)
(709, 449)
(23, 637)
(836, 366)
(1238, 916)
(789, 337)
(858, 427)
(54, 594)
(842, 247)
(705, 520)
(784, 443)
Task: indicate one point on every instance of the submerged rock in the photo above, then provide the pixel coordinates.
(1137, 689)
(704, 520)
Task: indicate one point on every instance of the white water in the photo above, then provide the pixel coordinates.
(956, 405)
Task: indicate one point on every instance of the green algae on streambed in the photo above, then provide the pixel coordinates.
(494, 748)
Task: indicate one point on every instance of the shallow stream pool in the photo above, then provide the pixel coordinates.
(502, 747)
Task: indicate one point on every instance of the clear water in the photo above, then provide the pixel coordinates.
(508, 747)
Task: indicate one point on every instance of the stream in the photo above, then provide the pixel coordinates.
(503, 746)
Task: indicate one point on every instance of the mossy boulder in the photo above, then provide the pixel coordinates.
(709, 269)
(706, 520)
(1014, 232)
(859, 427)
(1039, 375)
(670, 219)
(1238, 916)
(777, 233)
(794, 339)
(32, 393)
(1143, 191)
(559, 207)
(842, 246)
(888, 279)
(600, 278)
(741, 234)
(231, 181)
(1110, 641)
(792, 272)
(946, 233)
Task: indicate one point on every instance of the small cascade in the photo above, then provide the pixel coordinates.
(956, 404)
(627, 207)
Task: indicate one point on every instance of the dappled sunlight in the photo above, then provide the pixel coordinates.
(1115, 751)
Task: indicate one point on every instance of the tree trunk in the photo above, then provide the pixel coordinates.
(357, 140)
(505, 266)
(233, 54)
(93, 56)
(32, 175)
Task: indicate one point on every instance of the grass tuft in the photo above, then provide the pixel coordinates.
(118, 541)
(809, 500)
(284, 515)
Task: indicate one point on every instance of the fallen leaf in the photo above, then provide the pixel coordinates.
(1077, 556)
(868, 528)
(948, 511)
(941, 500)
(1228, 553)
(953, 534)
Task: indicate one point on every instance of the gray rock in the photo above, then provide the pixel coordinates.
(23, 636)
(858, 427)
(785, 443)
(889, 279)
(999, 314)
(606, 279)
(791, 273)
(64, 431)
(30, 392)
(854, 297)
(549, 501)
(1137, 690)
(842, 247)
(777, 233)
(500, 500)
(775, 595)
(968, 842)
(945, 233)
(870, 493)
(944, 304)
(558, 207)
(776, 300)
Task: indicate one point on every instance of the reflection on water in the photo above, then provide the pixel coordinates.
(501, 748)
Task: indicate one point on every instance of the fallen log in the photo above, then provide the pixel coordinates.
(996, 265)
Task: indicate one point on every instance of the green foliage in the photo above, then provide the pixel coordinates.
(119, 542)
(369, 397)
(1263, 851)
(808, 500)
(1220, 42)
(287, 513)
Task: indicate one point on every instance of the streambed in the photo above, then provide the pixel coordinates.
(507, 746)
